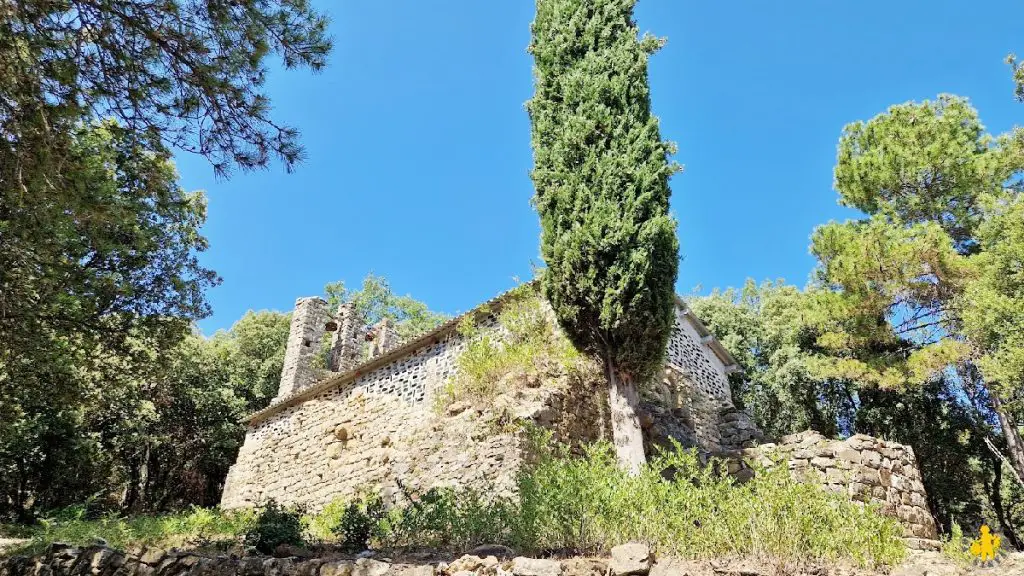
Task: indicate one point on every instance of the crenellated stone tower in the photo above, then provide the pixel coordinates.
(307, 329)
(346, 339)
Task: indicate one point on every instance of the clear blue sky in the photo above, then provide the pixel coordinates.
(419, 152)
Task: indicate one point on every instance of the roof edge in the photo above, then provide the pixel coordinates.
(342, 378)
(433, 336)
(723, 354)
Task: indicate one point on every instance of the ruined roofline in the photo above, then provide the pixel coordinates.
(433, 336)
(706, 337)
(403, 349)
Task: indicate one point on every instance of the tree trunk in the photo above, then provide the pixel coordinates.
(1014, 444)
(997, 503)
(623, 402)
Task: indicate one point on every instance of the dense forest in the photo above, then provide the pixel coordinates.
(912, 328)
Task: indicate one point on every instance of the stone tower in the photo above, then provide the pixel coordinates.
(307, 329)
(347, 339)
(385, 338)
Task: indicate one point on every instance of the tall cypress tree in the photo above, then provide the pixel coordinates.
(601, 173)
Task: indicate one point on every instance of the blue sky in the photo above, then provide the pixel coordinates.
(419, 150)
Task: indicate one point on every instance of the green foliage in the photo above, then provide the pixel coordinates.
(686, 509)
(993, 305)
(773, 330)
(526, 344)
(253, 352)
(375, 301)
(275, 525)
(923, 162)
(925, 287)
(196, 527)
(770, 329)
(586, 503)
(910, 328)
(183, 73)
(589, 504)
(930, 181)
(450, 519)
(956, 546)
(99, 245)
(352, 524)
(601, 175)
(99, 278)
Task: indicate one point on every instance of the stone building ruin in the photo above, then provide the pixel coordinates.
(366, 417)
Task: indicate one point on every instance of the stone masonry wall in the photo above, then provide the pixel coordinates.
(304, 335)
(866, 468)
(379, 430)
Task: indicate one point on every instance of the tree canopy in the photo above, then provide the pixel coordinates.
(910, 328)
(601, 173)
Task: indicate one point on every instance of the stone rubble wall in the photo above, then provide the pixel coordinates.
(631, 559)
(380, 431)
(304, 335)
(866, 468)
(375, 432)
(347, 343)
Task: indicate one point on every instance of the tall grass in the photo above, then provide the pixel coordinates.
(526, 342)
(583, 504)
(685, 509)
(199, 527)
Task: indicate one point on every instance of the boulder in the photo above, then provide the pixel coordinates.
(336, 568)
(467, 563)
(368, 567)
(522, 566)
(584, 567)
(631, 559)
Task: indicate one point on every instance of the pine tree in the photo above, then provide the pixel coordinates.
(601, 175)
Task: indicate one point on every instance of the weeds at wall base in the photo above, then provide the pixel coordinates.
(584, 504)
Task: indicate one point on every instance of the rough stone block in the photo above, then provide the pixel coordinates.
(522, 566)
(631, 559)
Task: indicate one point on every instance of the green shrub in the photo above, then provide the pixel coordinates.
(956, 546)
(683, 508)
(454, 520)
(193, 527)
(275, 525)
(352, 524)
(527, 341)
(679, 507)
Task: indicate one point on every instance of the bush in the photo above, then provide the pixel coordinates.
(352, 524)
(685, 509)
(588, 505)
(455, 520)
(193, 527)
(274, 526)
(527, 340)
(956, 546)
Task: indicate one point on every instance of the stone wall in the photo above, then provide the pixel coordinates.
(630, 559)
(375, 426)
(375, 431)
(866, 468)
(304, 336)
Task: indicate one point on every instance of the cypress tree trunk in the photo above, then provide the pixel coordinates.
(623, 403)
(1014, 444)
